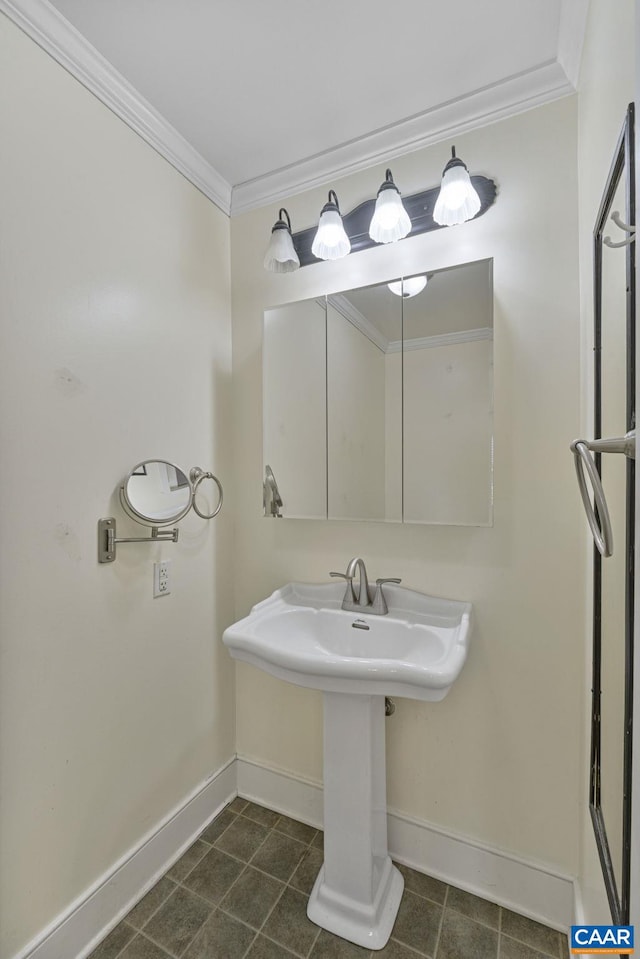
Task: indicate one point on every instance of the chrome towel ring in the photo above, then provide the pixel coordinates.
(197, 476)
(582, 450)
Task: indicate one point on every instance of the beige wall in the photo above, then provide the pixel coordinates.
(606, 87)
(498, 760)
(115, 346)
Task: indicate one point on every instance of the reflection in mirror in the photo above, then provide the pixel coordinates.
(294, 406)
(156, 493)
(364, 404)
(448, 397)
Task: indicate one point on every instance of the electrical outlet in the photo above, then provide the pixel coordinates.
(162, 578)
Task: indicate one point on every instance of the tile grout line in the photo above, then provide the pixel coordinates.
(168, 952)
(180, 883)
(212, 905)
(306, 847)
(285, 885)
(290, 952)
(313, 944)
(411, 949)
(127, 943)
(139, 931)
(246, 864)
(521, 942)
(438, 937)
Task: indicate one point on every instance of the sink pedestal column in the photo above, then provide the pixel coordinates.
(358, 890)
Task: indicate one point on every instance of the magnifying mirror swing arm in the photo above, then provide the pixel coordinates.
(107, 538)
(107, 533)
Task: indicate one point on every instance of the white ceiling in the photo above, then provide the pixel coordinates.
(275, 95)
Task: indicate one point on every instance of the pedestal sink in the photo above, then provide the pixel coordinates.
(302, 635)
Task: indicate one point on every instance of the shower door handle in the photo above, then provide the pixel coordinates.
(582, 450)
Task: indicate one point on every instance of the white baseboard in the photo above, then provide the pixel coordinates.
(77, 931)
(281, 791)
(529, 888)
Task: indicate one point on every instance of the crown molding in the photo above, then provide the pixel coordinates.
(573, 26)
(497, 102)
(440, 339)
(49, 29)
(551, 81)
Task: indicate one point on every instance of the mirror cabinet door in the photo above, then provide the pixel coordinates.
(448, 398)
(364, 411)
(294, 406)
(378, 401)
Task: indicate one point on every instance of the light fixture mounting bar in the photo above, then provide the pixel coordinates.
(419, 206)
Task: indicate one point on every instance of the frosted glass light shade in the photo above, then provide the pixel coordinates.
(458, 200)
(409, 287)
(390, 220)
(331, 241)
(281, 256)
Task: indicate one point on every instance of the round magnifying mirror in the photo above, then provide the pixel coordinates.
(156, 493)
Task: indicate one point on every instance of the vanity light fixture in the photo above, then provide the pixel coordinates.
(281, 256)
(331, 241)
(458, 200)
(382, 220)
(409, 287)
(390, 220)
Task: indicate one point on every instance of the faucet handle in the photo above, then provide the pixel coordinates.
(349, 595)
(379, 605)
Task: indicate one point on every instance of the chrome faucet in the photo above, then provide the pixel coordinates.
(366, 599)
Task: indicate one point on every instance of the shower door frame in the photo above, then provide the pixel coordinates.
(619, 898)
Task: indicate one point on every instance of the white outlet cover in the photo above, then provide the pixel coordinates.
(162, 578)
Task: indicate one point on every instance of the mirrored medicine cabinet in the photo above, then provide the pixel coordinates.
(378, 402)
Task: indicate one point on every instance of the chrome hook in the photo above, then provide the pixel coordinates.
(631, 230)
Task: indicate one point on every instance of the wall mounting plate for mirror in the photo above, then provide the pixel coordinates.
(155, 493)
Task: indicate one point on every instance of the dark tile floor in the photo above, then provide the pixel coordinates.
(240, 892)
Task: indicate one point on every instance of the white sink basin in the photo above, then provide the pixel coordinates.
(301, 634)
